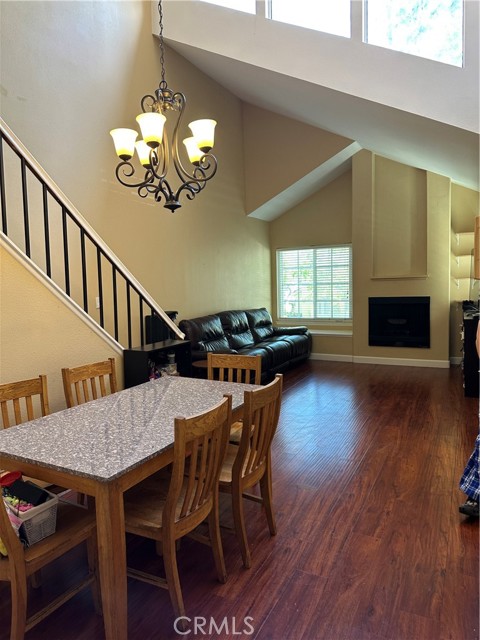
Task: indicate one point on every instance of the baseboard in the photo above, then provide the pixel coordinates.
(399, 362)
(335, 357)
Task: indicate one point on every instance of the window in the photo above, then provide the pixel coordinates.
(329, 16)
(431, 29)
(315, 283)
(248, 6)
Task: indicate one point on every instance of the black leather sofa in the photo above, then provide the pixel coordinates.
(248, 332)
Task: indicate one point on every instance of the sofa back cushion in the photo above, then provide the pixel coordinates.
(205, 333)
(260, 323)
(237, 330)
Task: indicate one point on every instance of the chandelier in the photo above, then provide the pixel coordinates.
(155, 154)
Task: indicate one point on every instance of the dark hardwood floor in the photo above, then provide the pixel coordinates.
(370, 542)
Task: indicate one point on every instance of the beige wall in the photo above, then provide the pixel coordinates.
(39, 334)
(280, 151)
(71, 71)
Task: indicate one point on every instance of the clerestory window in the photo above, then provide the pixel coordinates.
(248, 6)
(329, 16)
(430, 29)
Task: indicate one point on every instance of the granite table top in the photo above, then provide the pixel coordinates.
(105, 438)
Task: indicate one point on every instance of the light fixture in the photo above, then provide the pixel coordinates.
(154, 151)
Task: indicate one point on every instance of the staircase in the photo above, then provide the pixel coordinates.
(43, 229)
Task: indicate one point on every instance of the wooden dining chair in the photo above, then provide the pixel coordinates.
(74, 526)
(18, 399)
(249, 462)
(22, 401)
(234, 368)
(166, 510)
(89, 382)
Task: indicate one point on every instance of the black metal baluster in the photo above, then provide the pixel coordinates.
(115, 305)
(84, 270)
(2, 189)
(48, 261)
(65, 251)
(100, 286)
(129, 316)
(25, 208)
(142, 333)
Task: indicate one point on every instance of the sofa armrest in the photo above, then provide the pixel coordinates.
(290, 331)
(202, 355)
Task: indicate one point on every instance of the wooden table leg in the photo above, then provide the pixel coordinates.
(112, 560)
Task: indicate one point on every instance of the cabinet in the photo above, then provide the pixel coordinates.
(137, 362)
(470, 356)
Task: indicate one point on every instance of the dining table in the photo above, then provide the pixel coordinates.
(104, 447)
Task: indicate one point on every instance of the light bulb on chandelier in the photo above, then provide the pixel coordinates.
(154, 151)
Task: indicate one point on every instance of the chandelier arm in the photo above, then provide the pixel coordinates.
(158, 160)
(148, 103)
(202, 173)
(182, 173)
(128, 170)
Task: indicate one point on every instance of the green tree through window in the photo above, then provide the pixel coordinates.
(428, 28)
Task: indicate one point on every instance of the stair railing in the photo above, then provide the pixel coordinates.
(45, 226)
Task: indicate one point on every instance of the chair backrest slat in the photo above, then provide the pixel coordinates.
(234, 368)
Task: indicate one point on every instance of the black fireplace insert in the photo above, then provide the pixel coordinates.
(399, 321)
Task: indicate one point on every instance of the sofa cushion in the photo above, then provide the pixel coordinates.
(236, 328)
(205, 333)
(300, 344)
(260, 323)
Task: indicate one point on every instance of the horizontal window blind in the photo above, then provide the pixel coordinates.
(315, 283)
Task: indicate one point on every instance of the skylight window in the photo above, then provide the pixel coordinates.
(329, 16)
(248, 6)
(431, 29)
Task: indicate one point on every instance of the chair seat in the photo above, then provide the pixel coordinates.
(144, 505)
(235, 432)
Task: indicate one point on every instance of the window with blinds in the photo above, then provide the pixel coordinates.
(315, 283)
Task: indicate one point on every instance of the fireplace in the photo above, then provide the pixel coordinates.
(399, 322)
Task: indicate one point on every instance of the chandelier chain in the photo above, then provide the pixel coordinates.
(161, 45)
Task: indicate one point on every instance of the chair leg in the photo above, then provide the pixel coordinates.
(171, 573)
(266, 493)
(216, 542)
(36, 579)
(18, 585)
(239, 522)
